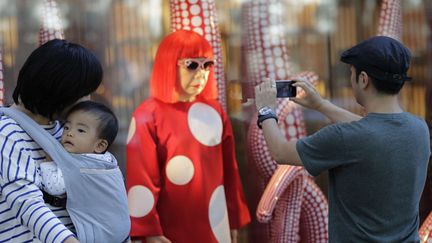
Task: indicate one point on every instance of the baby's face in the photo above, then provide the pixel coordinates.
(80, 134)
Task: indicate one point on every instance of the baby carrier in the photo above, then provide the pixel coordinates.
(96, 195)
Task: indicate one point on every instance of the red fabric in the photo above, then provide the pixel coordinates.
(182, 211)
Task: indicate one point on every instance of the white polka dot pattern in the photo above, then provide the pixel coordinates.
(51, 25)
(200, 16)
(132, 130)
(140, 201)
(266, 56)
(205, 124)
(425, 231)
(390, 21)
(218, 215)
(180, 170)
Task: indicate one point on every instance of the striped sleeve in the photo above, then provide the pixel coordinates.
(22, 196)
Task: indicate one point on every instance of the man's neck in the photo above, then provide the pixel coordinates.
(383, 104)
(36, 117)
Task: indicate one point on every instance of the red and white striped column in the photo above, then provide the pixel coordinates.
(52, 27)
(200, 16)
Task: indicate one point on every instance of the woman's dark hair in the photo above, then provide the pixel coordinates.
(55, 76)
(108, 124)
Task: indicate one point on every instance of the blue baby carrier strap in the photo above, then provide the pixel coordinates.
(96, 195)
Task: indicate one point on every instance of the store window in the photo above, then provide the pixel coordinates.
(125, 34)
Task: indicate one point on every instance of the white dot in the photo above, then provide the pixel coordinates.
(277, 51)
(270, 68)
(183, 6)
(132, 129)
(206, 13)
(196, 21)
(290, 119)
(180, 170)
(218, 215)
(205, 124)
(279, 62)
(199, 31)
(269, 60)
(208, 37)
(185, 14)
(195, 9)
(275, 41)
(140, 201)
(186, 21)
(281, 73)
(193, 1)
(292, 131)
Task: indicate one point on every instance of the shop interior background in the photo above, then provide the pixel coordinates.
(125, 34)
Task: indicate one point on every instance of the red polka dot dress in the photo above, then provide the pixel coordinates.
(182, 175)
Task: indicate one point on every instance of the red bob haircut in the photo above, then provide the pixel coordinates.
(175, 46)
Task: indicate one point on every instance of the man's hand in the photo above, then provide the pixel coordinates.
(157, 239)
(265, 94)
(308, 96)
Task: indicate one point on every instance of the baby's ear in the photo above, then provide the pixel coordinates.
(101, 146)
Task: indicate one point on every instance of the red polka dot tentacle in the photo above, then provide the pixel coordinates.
(51, 25)
(200, 16)
(390, 21)
(425, 231)
(292, 203)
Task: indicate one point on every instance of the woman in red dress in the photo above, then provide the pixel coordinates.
(182, 175)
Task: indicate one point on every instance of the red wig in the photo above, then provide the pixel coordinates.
(165, 78)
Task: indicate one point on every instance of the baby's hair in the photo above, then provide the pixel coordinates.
(108, 124)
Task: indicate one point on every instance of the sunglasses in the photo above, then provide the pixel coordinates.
(194, 64)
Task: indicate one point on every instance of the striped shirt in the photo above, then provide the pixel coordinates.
(24, 217)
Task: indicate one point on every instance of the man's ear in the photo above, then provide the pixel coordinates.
(101, 146)
(363, 79)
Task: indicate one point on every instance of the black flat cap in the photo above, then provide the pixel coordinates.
(381, 57)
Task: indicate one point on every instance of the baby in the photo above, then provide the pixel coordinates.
(90, 129)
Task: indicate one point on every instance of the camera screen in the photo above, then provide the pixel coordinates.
(285, 89)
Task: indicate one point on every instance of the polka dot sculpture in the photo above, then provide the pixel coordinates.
(292, 204)
(51, 24)
(390, 21)
(425, 231)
